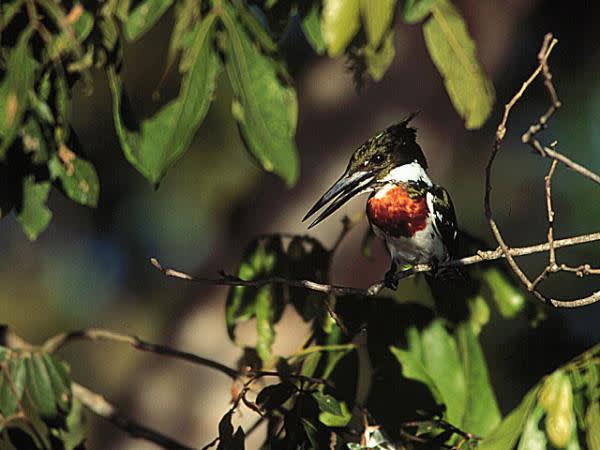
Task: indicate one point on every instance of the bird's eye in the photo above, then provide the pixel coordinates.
(377, 159)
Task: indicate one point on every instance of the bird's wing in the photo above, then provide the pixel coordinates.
(444, 217)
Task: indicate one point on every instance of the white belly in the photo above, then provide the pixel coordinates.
(423, 247)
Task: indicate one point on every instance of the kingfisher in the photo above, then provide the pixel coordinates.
(412, 215)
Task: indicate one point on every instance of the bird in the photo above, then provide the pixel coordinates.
(412, 215)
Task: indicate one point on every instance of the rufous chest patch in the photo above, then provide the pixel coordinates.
(396, 213)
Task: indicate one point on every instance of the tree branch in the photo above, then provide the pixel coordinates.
(376, 288)
(101, 407)
(529, 138)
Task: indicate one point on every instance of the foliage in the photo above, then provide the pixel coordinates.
(37, 408)
(49, 49)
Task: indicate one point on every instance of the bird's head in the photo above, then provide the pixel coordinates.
(393, 154)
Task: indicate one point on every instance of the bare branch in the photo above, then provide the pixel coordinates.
(376, 288)
(529, 138)
(96, 334)
(101, 407)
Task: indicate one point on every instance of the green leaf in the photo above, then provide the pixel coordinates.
(265, 321)
(261, 259)
(163, 138)
(508, 298)
(311, 432)
(39, 387)
(14, 90)
(505, 435)
(334, 419)
(77, 176)
(340, 21)
(187, 14)
(327, 403)
(416, 10)
(311, 26)
(59, 380)
(481, 410)
(453, 52)
(33, 214)
(377, 17)
(379, 60)
(413, 369)
(144, 16)
(266, 110)
(12, 384)
(533, 437)
(592, 422)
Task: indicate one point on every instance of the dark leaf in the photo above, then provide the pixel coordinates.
(272, 397)
(144, 16)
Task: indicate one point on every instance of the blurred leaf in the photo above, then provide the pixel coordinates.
(377, 17)
(560, 417)
(228, 440)
(12, 383)
(311, 26)
(43, 386)
(340, 21)
(440, 357)
(379, 60)
(339, 418)
(480, 313)
(261, 259)
(453, 52)
(77, 176)
(416, 10)
(505, 435)
(592, 422)
(533, 438)
(143, 17)
(481, 410)
(266, 110)
(14, 90)
(164, 137)
(508, 297)
(74, 434)
(272, 397)
(327, 403)
(366, 247)
(255, 27)
(187, 14)
(33, 214)
(311, 432)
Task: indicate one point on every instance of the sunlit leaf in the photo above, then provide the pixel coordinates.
(379, 60)
(334, 413)
(144, 16)
(533, 437)
(265, 108)
(327, 403)
(559, 417)
(506, 435)
(481, 409)
(508, 298)
(14, 90)
(377, 17)
(78, 178)
(453, 52)
(340, 21)
(592, 422)
(32, 213)
(417, 10)
(164, 137)
(311, 26)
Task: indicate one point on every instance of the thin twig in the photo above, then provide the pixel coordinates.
(96, 334)
(101, 407)
(376, 288)
(529, 138)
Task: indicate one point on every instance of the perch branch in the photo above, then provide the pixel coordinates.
(376, 288)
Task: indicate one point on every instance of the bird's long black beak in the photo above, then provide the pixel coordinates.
(343, 190)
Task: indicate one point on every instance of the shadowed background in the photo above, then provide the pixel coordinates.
(90, 268)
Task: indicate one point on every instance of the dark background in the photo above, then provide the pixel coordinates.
(90, 268)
